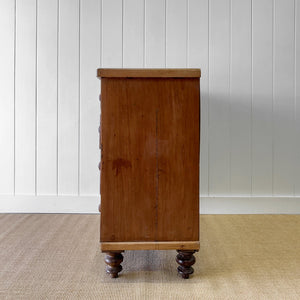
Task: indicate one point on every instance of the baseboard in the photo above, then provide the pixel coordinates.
(89, 204)
(49, 204)
(250, 205)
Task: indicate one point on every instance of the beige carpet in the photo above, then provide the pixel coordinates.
(44, 256)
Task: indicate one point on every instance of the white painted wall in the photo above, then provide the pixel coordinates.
(249, 54)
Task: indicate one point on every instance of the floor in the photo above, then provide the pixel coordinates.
(57, 256)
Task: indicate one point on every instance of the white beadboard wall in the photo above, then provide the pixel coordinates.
(249, 54)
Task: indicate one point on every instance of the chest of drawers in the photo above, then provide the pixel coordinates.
(149, 141)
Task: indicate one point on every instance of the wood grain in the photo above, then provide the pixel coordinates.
(128, 161)
(178, 160)
(150, 159)
(181, 73)
(175, 245)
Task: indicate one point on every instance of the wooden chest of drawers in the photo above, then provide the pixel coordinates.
(149, 141)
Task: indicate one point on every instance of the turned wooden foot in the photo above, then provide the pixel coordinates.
(185, 259)
(113, 260)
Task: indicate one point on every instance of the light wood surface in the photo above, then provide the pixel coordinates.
(173, 73)
(178, 245)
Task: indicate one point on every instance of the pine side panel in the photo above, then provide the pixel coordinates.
(128, 159)
(149, 171)
(177, 151)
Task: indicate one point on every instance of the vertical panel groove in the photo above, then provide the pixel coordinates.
(187, 34)
(15, 47)
(101, 65)
(273, 90)
(166, 33)
(251, 113)
(230, 93)
(208, 94)
(297, 86)
(144, 36)
(57, 97)
(79, 94)
(123, 33)
(101, 33)
(283, 124)
(35, 113)
(295, 90)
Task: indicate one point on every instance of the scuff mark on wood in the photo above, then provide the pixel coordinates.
(120, 163)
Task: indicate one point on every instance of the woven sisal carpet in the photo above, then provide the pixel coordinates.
(57, 256)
